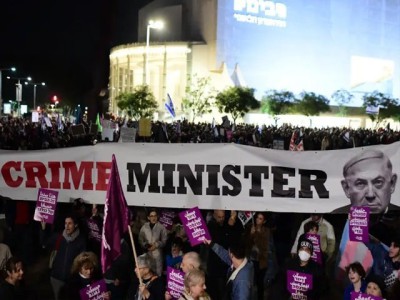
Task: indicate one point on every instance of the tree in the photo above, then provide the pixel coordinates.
(277, 102)
(388, 106)
(199, 96)
(139, 104)
(311, 104)
(236, 101)
(342, 98)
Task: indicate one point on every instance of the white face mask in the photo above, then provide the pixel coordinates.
(304, 255)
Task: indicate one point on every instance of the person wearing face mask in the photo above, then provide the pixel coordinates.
(304, 264)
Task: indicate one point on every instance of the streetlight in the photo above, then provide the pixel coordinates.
(18, 91)
(1, 81)
(152, 25)
(34, 91)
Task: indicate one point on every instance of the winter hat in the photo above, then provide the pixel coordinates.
(304, 242)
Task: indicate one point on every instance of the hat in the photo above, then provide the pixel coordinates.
(304, 242)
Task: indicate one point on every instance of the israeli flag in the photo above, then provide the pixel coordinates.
(170, 106)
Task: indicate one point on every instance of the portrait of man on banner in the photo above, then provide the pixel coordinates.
(369, 180)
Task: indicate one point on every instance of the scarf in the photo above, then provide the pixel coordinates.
(72, 237)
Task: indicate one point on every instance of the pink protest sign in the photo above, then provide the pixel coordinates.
(195, 226)
(316, 241)
(298, 284)
(95, 291)
(245, 216)
(362, 296)
(175, 283)
(46, 206)
(94, 230)
(358, 224)
(167, 218)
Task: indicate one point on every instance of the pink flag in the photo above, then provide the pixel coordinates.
(115, 219)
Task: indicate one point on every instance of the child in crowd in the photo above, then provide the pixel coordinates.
(356, 273)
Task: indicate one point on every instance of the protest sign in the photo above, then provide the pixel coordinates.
(245, 216)
(46, 204)
(359, 220)
(175, 282)
(298, 284)
(94, 230)
(316, 241)
(363, 296)
(95, 291)
(167, 218)
(195, 226)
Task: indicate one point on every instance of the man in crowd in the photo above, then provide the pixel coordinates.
(222, 232)
(68, 246)
(153, 237)
(240, 276)
(369, 181)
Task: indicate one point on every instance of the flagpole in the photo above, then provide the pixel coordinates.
(135, 254)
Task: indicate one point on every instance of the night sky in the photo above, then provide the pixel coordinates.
(65, 44)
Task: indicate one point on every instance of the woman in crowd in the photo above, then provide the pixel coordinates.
(152, 286)
(260, 246)
(356, 273)
(376, 286)
(195, 286)
(84, 271)
(11, 286)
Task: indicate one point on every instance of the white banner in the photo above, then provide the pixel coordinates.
(210, 176)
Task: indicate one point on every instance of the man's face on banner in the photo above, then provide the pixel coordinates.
(370, 183)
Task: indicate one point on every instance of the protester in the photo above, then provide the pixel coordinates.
(85, 271)
(356, 274)
(11, 286)
(223, 232)
(239, 282)
(71, 243)
(304, 264)
(326, 233)
(195, 286)
(175, 258)
(376, 286)
(152, 286)
(260, 250)
(153, 237)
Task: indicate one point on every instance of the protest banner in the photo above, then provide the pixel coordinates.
(95, 291)
(167, 218)
(316, 241)
(298, 284)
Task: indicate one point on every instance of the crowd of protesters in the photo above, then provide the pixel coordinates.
(23, 134)
(239, 262)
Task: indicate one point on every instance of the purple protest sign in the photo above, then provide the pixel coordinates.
(94, 230)
(316, 241)
(95, 291)
(175, 282)
(46, 206)
(298, 284)
(195, 226)
(362, 296)
(358, 224)
(167, 218)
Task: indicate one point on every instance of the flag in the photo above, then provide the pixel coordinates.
(346, 136)
(60, 125)
(98, 123)
(169, 105)
(116, 220)
(372, 110)
(350, 252)
(296, 142)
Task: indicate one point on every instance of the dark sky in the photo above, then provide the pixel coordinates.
(64, 43)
